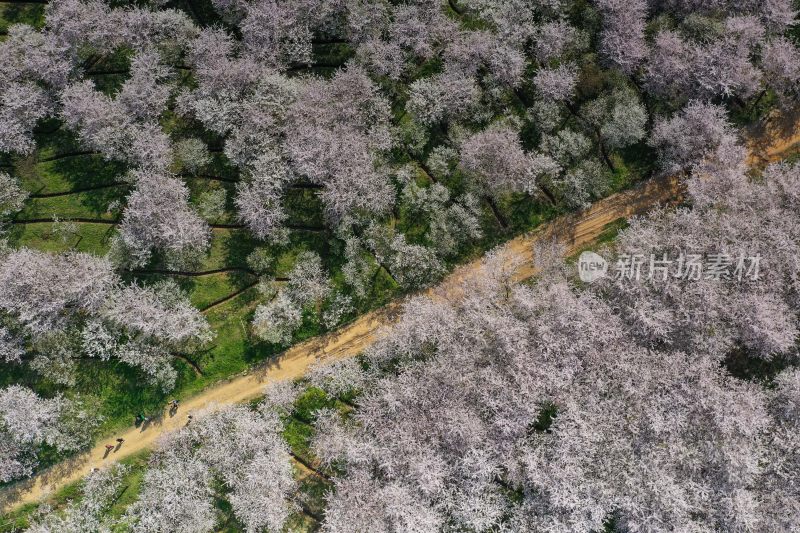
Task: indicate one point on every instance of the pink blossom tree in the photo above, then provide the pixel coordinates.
(28, 422)
(337, 133)
(239, 447)
(622, 40)
(158, 218)
(41, 289)
(495, 161)
(12, 197)
(99, 491)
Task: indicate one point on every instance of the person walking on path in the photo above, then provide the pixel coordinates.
(109, 447)
(119, 443)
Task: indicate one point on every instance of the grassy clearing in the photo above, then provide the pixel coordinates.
(48, 237)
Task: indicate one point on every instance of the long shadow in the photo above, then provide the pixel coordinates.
(93, 171)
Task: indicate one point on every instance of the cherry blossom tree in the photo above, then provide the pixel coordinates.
(715, 65)
(336, 309)
(12, 197)
(700, 131)
(751, 300)
(276, 33)
(277, 320)
(411, 265)
(777, 490)
(781, 64)
(589, 433)
(176, 493)
(450, 95)
(307, 284)
(558, 83)
(11, 347)
(495, 160)
(471, 51)
(161, 311)
(240, 447)
(577, 176)
(54, 296)
(35, 67)
(420, 28)
(40, 289)
(141, 326)
(158, 218)
(724, 68)
(451, 223)
(100, 489)
(104, 124)
(28, 421)
(336, 134)
(622, 40)
(359, 265)
(618, 117)
(34, 56)
(21, 106)
(144, 94)
(669, 68)
(553, 39)
(617, 391)
(445, 473)
(210, 204)
(259, 200)
(191, 154)
(92, 24)
(631, 444)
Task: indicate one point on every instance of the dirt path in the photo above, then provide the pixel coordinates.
(573, 231)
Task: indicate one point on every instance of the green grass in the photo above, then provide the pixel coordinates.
(32, 14)
(80, 205)
(205, 290)
(92, 238)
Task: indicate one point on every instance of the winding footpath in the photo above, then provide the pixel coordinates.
(573, 232)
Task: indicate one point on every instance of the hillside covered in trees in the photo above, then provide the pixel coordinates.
(190, 187)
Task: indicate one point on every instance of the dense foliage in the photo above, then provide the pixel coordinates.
(575, 406)
(189, 186)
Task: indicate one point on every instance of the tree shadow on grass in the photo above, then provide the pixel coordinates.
(86, 171)
(743, 365)
(32, 14)
(124, 391)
